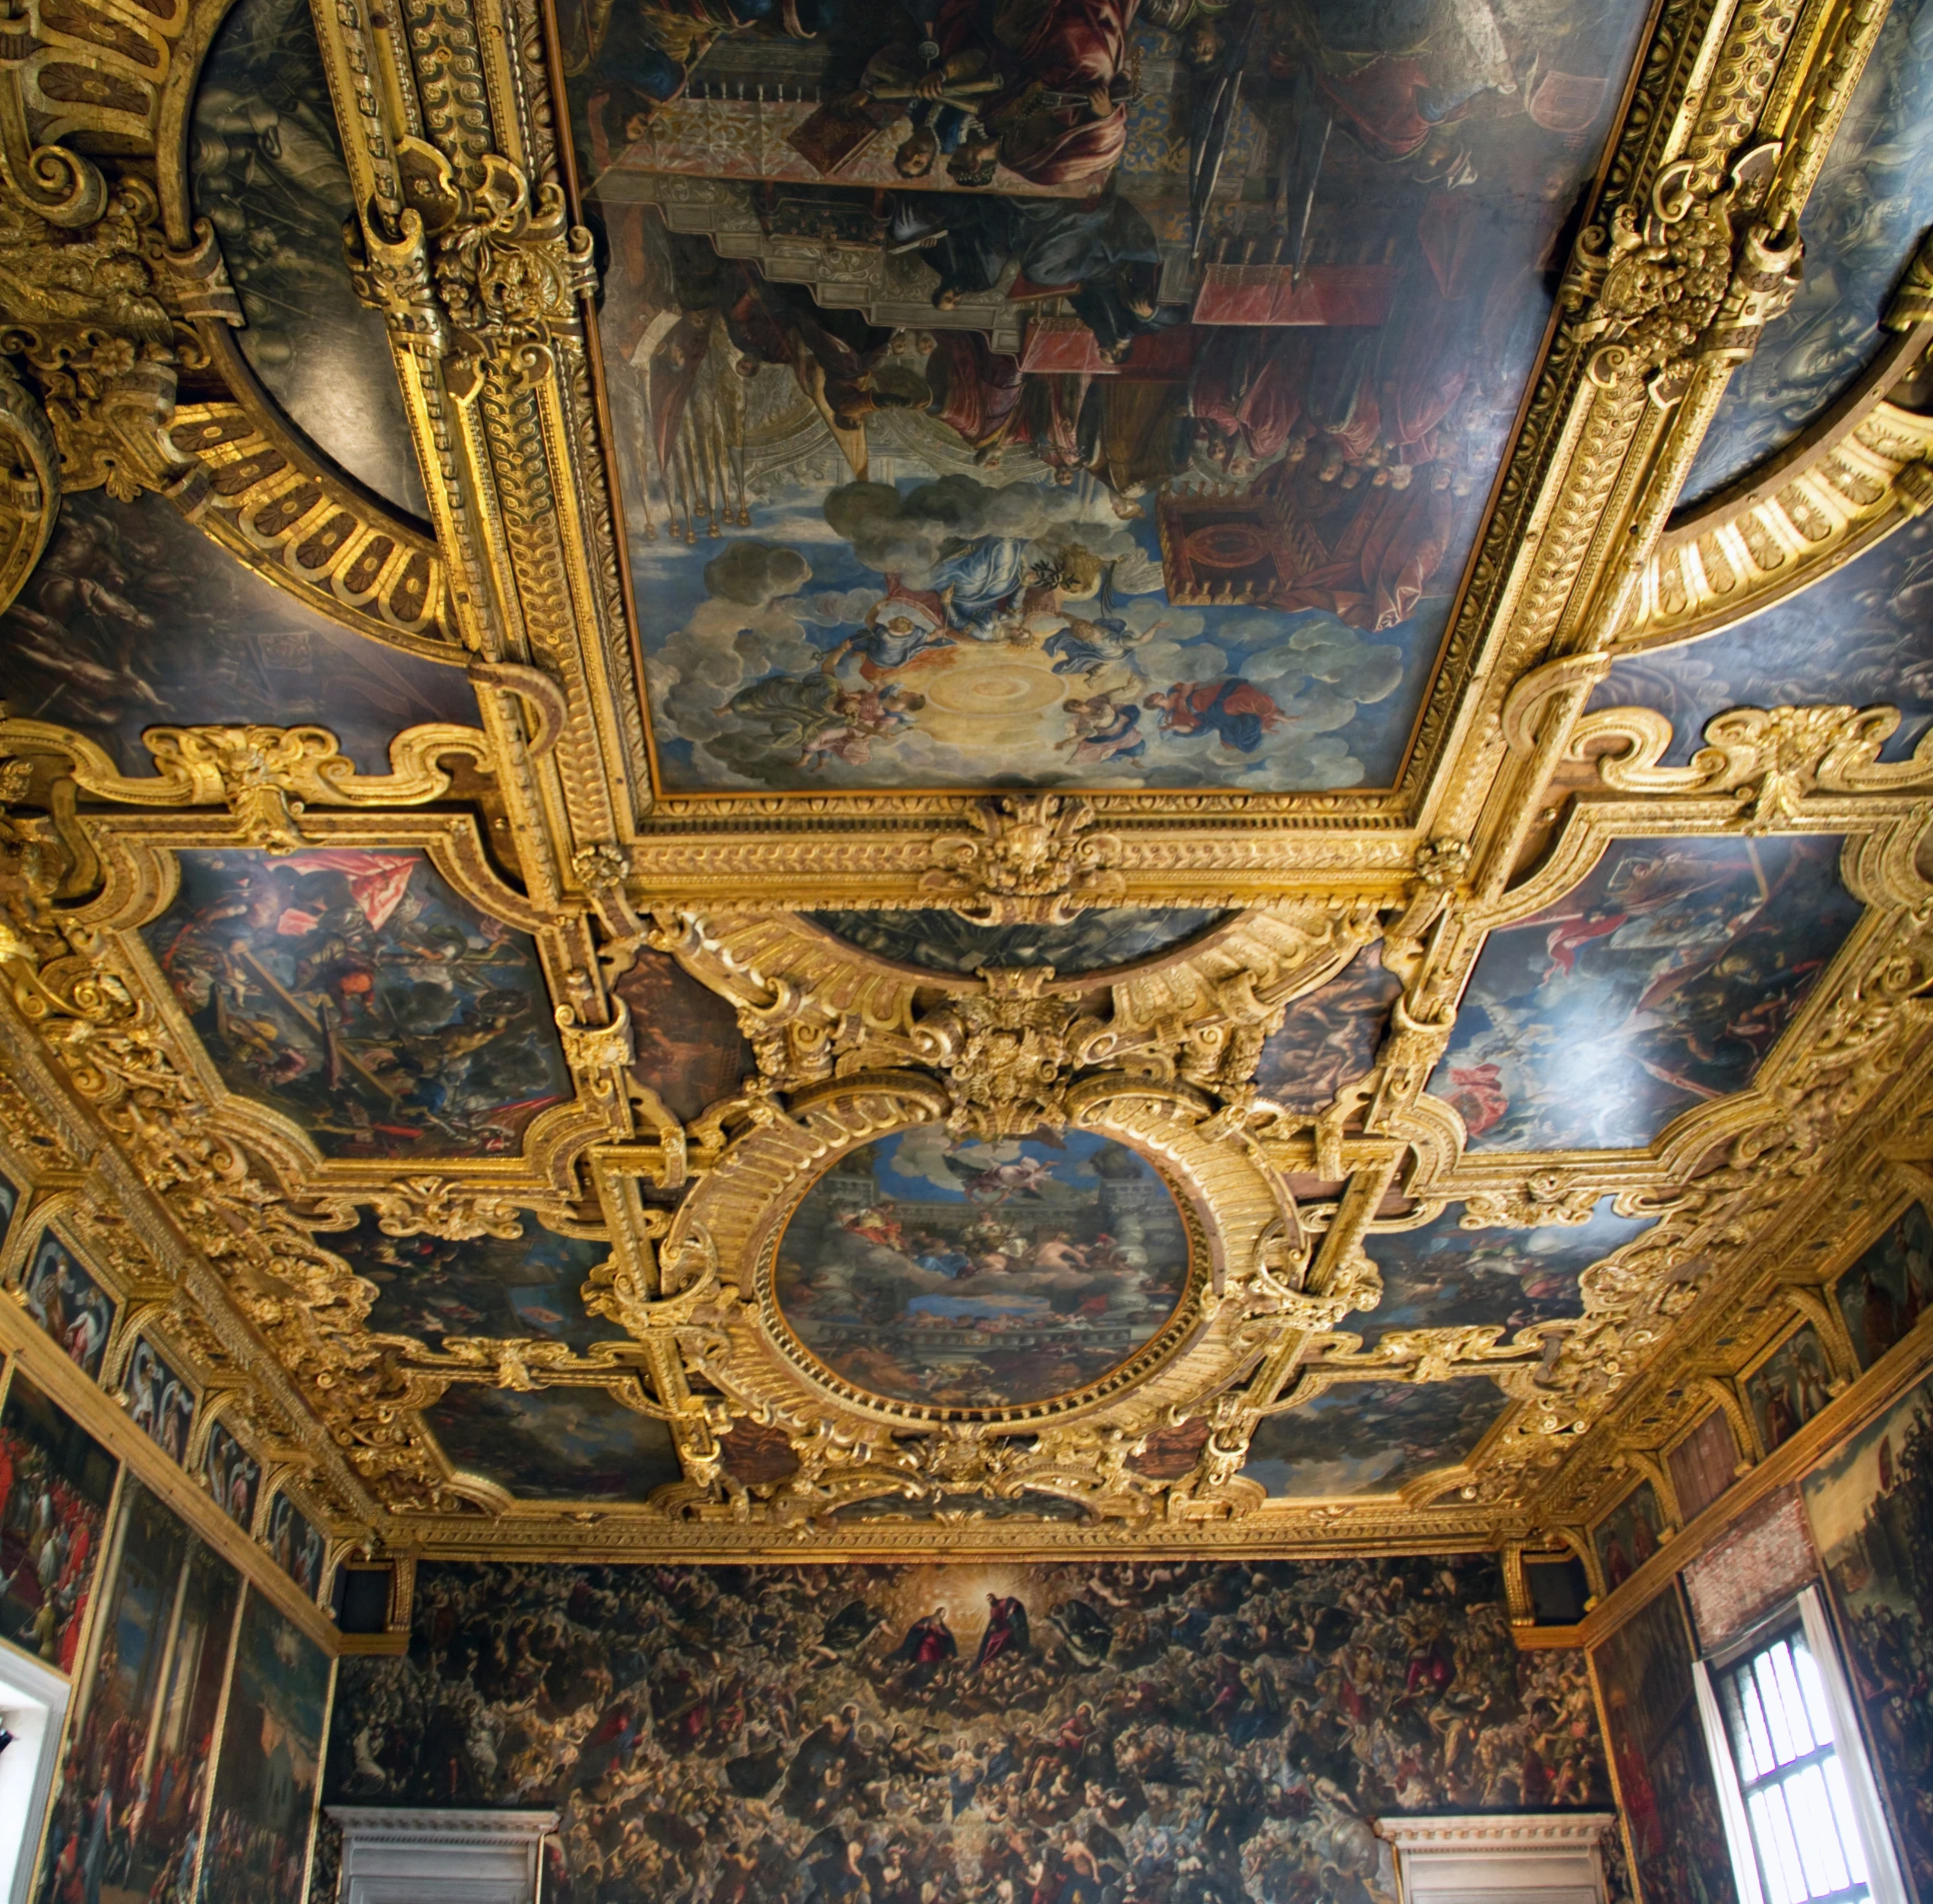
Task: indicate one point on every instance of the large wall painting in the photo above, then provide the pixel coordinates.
(353, 990)
(1873, 199)
(1660, 982)
(1665, 1788)
(55, 1484)
(1092, 940)
(133, 620)
(965, 440)
(1442, 1276)
(262, 1813)
(529, 1285)
(685, 1040)
(265, 161)
(129, 1799)
(1871, 1508)
(927, 1269)
(1884, 1293)
(554, 1444)
(1857, 639)
(973, 1733)
(68, 1303)
(1371, 1437)
(1330, 1037)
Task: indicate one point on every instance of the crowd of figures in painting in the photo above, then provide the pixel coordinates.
(1104, 391)
(1162, 1733)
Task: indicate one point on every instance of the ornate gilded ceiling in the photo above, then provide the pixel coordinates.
(717, 844)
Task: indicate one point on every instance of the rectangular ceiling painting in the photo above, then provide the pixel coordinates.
(1660, 982)
(1096, 393)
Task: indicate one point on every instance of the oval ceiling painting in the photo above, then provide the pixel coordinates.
(968, 1275)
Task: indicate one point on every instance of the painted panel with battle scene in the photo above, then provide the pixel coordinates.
(1371, 1437)
(1659, 983)
(1068, 391)
(529, 1284)
(554, 1444)
(1871, 203)
(133, 620)
(55, 1484)
(353, 990)
(1857, 639)
(126, 1821)
(264, 162)
(1870, 1503)
(1442, 1276)
(1665, 1788)
(261, 1817)
(972, 1732)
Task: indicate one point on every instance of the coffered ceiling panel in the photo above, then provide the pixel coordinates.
(889, 782)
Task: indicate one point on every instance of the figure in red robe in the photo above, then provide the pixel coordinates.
(1007, 1631)
(1237, 711)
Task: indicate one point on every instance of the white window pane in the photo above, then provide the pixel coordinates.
(1770, 1696)
(1793, 1702)
(1846, 1819)
(1758, 1739)
(1818, 1836)
(1774, 1835)
(1814, 1687)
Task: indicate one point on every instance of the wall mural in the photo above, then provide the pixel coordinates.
(973, 1733)
(554, 1444)
(232, 1475)
(1857, 639)
(1873, 199)
(1790, 1387)
(134, 619)
(1080, 394)
(1442, 1276)
(1661, 981)
(125, 1824)
(1672, 1824)
(1890, 1287)
(353, 992)
(1630, 1534)
(266, 166)
(1871, 1508)
(1329, 1036)
(55, 1484)
(529, 1285)
(1092, 940)
(1371, 1438)
(159, 1403)
(687, 1046)
(975, 1276)
(261, 1817)
(68, 1303)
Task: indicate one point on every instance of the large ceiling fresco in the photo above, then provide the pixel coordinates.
(973, 779)
(1107, 398)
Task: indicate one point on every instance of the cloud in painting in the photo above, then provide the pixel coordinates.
(753, 572)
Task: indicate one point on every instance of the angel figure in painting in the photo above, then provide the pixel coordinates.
(995, 1182)
(1101, 730)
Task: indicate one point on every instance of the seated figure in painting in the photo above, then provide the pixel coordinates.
(823, 719)
(1059, 115)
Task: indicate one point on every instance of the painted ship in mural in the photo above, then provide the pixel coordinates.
(1096, 392)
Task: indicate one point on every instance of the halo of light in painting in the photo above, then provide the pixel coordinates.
(926, 1269)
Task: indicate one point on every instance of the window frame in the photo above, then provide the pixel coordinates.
(1883, 1880)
